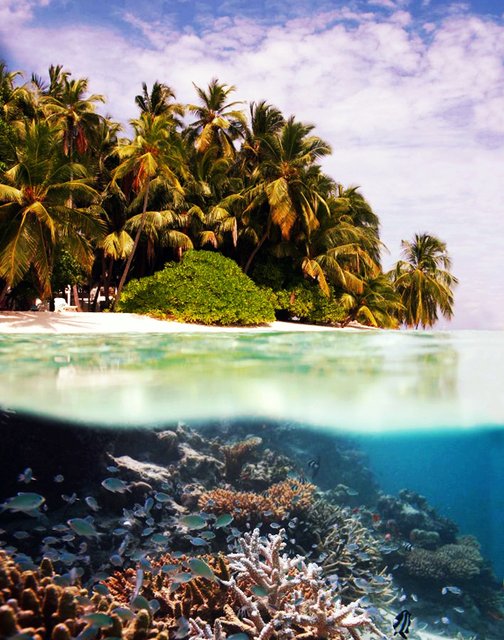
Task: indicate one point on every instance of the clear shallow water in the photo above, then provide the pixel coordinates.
(369, 381)
(380, 412)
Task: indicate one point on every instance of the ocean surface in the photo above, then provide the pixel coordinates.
(399, 433)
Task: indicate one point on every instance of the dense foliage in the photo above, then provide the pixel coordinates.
(243, 182)
(205, 287)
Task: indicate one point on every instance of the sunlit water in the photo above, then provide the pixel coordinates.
(427, 408)
(362, 382)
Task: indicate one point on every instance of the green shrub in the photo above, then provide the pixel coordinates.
(307, 302)
(205, 287)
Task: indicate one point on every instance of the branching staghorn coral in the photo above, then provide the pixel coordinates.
(282, 597)
(350, 552)
(291, 496)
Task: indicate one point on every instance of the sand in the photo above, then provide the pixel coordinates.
(100, 323)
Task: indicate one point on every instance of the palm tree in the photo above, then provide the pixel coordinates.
(217, 122)
(289, 186)
(159, 102)
(149, 159)
(424, 281)
(74, 115)
(350, 206)
(34, 216)
(377, 305)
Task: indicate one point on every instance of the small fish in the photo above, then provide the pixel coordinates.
(120, 531)
(112, 469)
(207, 535)
(91, 503)
(70, 499)
(101, 620)
(445, 620)
(352, 547)
(363, 584)
(223, 521)
(414, 597)
(314, 466)
(200, 568)
(102, 589)
(147, 531)
(352, 492)
(23, 503)
(459, 609)
(197, 542)
(59, 478)
(115, 485)
(451, 589)
(116, 560)
(68, 537)
(123, 613)
(21, 535)
(275, 525)
(159, 538)
(138, 583)
(26, 476)
(162, 497)
(182, 577)
(183, 629)
(193, 521)
(402, 623)
(154, 605)
(170, 568)
(238, 636)
(139, 602)
(407, 546)
(59, 528)
(50, 540)
(258, 590)
(83, 528)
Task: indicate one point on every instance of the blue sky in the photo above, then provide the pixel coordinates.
(409, 93)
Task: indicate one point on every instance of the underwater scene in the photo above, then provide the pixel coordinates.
(245, 486)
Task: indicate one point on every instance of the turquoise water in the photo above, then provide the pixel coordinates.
(378, 412)
(355, 381)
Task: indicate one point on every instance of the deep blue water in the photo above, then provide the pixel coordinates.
(460, 474)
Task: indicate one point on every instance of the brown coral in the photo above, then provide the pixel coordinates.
(235, 456)
(291, 496)
(32, 604)
(461, 561)
(197, 596)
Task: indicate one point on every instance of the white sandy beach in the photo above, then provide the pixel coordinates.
(75, 322)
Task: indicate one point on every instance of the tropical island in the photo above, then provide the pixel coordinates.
(217, 212)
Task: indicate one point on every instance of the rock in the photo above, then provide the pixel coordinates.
(167, 444)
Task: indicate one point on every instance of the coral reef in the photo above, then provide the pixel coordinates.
(411, 517)
(458, 562)
(289, 496)
(176, 591)
(235, 456)
(349, 553)
(284, 597)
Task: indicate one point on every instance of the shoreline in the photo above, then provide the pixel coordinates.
(68, 322)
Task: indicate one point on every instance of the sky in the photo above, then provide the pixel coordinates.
(408, 93)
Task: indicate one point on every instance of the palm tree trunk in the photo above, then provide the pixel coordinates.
(3, 293)
(76, 297)
(135, 245)
(257, 247)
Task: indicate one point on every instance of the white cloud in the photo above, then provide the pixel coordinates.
(417, 122)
